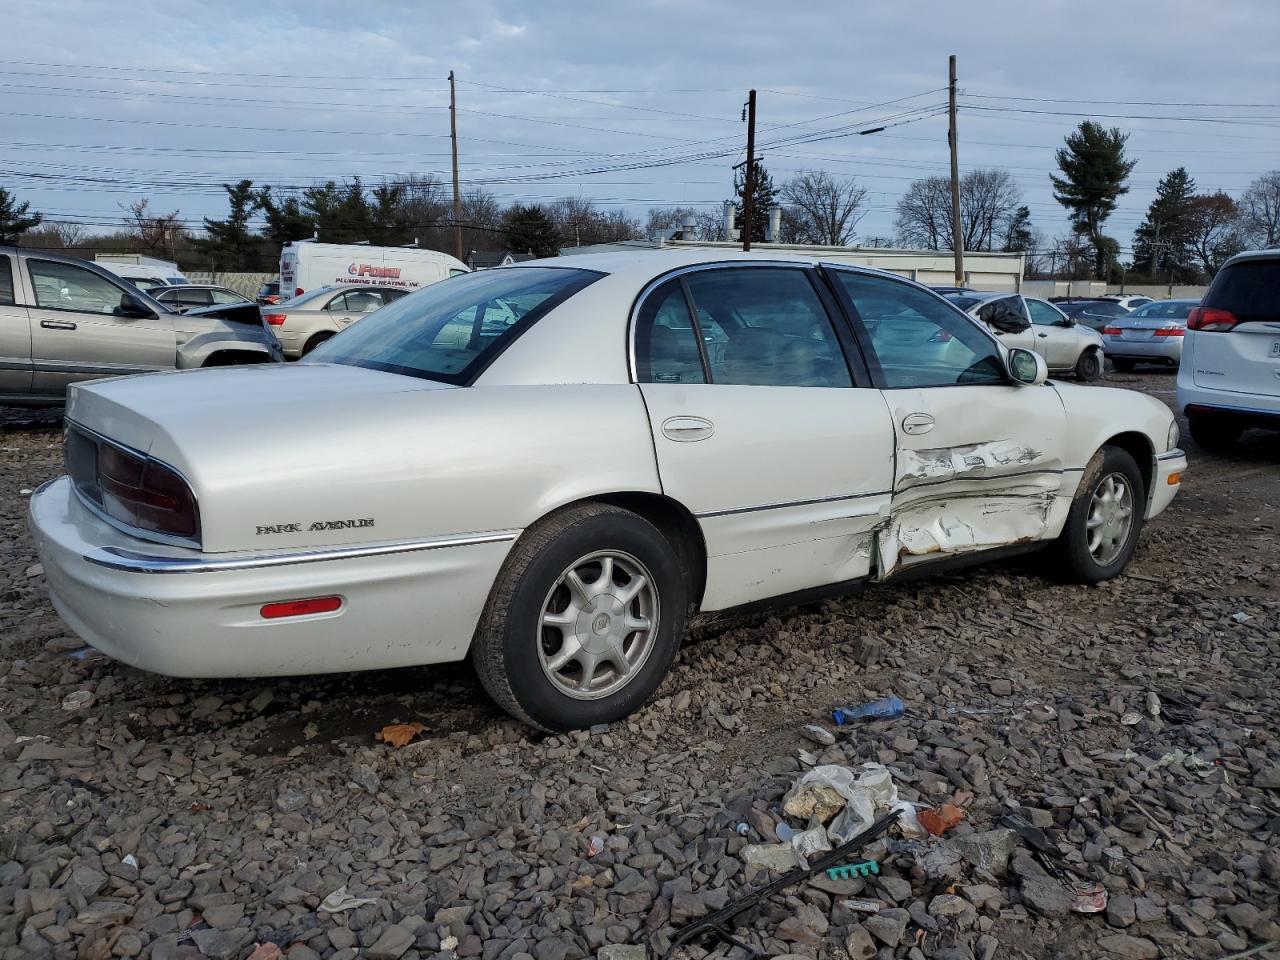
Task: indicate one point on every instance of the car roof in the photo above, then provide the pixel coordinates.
(644, 265)
(196, 286)
(1254, 255)
(981, 296)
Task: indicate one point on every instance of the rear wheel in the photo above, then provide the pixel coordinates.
(1123, 365)
(1089, 366)
(584, 620)
(315, 341)
(1215, 431)
(1105, 519)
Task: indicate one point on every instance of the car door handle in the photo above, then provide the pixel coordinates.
(1041, 334)
(917, 423)
(687, 429)
(57, 324)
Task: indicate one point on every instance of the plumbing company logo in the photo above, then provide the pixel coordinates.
(368, 270)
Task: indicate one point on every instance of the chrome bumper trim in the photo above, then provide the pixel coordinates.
(130, 561)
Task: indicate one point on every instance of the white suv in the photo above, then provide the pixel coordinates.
(1229, 379)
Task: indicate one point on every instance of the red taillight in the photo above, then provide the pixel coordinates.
(298, 291)
(1171, 332)
(300, 608)
(1211, 318)
(143, 493)
(1111, 331)
(275, 319)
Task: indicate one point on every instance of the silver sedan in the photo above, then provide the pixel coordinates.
(1151, 334)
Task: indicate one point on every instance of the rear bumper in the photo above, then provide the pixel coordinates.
(1259, 409)
(1166, 481)
(1162, 350)
(183, 613)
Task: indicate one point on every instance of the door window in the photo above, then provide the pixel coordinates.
(917, 338)
(61, 286)
(666, 341)
(771, 325)
(227, 296)
(1043, 315)
(187, 298)
(6, 280)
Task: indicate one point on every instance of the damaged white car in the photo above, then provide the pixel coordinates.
(548, 467)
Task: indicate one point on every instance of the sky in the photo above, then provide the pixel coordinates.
(633, 105)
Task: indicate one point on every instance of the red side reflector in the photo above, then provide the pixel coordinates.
(300, 608)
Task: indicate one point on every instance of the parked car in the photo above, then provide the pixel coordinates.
(1130, 301)
(1151, 334)
(1094, 314)
(269, 293)
(1037, 325)
(306, 321)
(63, 320)
(553, 496)
(192, 296)
(1229, 379)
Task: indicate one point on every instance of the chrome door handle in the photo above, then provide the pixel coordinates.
(686, 429)
(57, 324)
(917, 423)
(1041, 334)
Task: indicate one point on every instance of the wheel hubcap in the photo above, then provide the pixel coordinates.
(598, 625)
(1110, 518)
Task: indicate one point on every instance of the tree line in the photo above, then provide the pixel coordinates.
(1184, 238)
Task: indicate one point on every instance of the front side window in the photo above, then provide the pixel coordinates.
(1042, 314)
(63, 286)
(451, 331)
(768, 328)
(917, 338)
(666, 341)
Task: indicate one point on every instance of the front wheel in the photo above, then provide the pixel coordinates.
(584, 620)
(1105, 519)
(1089, 366)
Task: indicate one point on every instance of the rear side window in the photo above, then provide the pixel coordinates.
(451, 331)
(1249, 289)
(6, 280)
(666, 342)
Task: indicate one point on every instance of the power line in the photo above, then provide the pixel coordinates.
(1127, 103)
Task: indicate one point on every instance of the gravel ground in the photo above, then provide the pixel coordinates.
(143, 816)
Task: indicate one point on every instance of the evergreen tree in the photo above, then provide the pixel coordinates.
(14, 220)
(1018, 235)
(530, 230)
(391, 216)
(762, 201)
(286, 220)
(1094, 170)
(229, 241)
(1162, 244)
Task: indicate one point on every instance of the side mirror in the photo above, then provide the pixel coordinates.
(1027, 367)
(132, 307)
(1066, 322)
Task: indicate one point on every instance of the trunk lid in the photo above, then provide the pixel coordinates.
(1246, 358)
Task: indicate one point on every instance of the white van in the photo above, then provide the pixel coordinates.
(142, 271)
(308, 264)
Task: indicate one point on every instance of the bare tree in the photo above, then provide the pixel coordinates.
(69, 234)
(1214, 230)
(989, 202)
(481, 221)
(155, 232)
(1260, 212)
(820, 209)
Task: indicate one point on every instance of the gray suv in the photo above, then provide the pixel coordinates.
(63, 319)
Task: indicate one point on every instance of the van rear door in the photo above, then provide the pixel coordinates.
(289, 272)
(1236, 330)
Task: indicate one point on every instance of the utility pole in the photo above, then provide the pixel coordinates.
(956, 232)
(457, 196)
(750, 181)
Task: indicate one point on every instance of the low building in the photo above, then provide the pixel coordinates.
(487, 259)
(998, 272)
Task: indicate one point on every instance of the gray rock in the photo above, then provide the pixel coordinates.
(1046, 896)
(858, 944)
(621, 951)
(888, 926)
(391, 945)
(225, 916)
(947, 905)
(989, 851)
(105, 911)
(779, 857)
(1130, 948)
(287, 801)
(1120, 910)
(220, 944)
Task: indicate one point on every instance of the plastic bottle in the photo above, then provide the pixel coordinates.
(890, 708)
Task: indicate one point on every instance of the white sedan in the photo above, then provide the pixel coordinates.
(655, 434)
(1038, 325)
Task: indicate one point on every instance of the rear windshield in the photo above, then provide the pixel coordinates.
(1249, 289)
(964, 303)
(451, 330)
(1165, 310)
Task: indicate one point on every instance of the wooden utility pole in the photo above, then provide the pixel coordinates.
(956, 230)
(750, 181)
(457, 196)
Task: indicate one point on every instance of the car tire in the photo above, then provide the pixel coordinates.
(1215, 432)
(1122, 365)
(515, 651)
(1089, 365)
(1082, 558)
(315, 341)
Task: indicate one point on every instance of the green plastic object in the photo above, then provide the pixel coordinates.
(850, 870)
